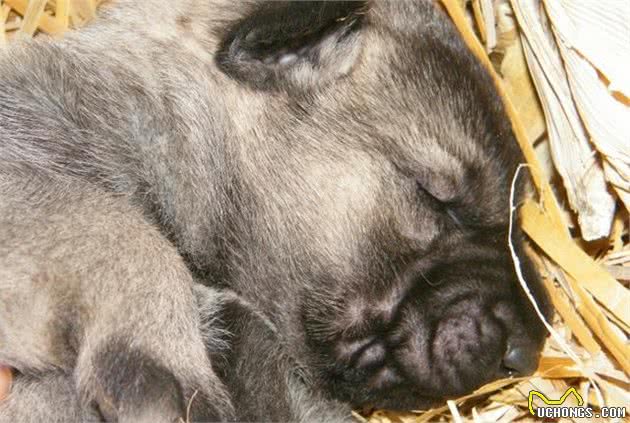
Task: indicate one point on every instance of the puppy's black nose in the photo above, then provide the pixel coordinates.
(520, 360)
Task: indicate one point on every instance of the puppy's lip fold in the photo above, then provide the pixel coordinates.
(349, 351)
(371, 356)
(384, 378)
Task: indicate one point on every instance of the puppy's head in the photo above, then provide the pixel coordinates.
(373, 201)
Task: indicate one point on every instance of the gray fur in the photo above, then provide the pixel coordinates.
(336, 174)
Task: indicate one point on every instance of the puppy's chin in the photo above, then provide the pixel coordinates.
(434, 343)
(403, 398)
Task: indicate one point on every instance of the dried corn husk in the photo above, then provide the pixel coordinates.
(575, 158)
(594, 39)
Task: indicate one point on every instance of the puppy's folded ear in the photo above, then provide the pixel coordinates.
(298, 44)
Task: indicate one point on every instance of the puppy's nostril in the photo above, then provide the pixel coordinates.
(520, 360)
(372, 355)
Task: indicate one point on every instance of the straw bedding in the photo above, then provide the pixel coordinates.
(569, 101)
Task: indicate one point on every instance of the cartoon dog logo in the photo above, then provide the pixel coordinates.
(530, 399)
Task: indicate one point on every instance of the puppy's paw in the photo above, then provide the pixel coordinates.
(128, 384)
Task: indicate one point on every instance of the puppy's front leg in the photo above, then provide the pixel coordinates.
(89, 287)
(264, 380)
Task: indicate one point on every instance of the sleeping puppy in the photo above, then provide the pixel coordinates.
(336, 174)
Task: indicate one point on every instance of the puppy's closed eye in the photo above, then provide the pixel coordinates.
(448, 207)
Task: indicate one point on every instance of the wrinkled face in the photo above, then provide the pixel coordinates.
(377, 182)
